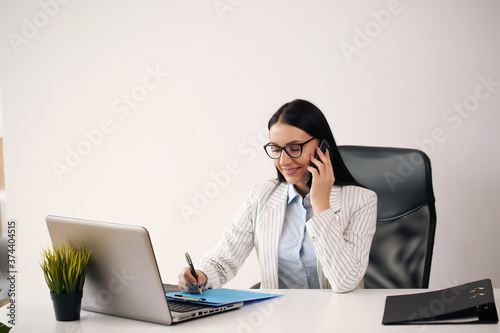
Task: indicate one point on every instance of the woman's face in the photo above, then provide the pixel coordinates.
(293, 169)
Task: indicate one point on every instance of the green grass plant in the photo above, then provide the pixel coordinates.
(64, 267)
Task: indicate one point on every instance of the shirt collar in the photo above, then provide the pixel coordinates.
(292, 193)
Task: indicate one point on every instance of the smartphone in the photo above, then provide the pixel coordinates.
(323, 146)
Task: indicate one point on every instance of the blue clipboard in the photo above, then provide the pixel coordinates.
(221, 296)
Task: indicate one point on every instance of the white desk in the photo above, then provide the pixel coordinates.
(305, 311)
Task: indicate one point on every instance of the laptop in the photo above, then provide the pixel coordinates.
(122, 275)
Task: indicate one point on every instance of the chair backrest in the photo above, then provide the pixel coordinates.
(4, 271)
(401, 251)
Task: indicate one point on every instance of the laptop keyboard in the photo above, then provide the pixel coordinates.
(180, 306)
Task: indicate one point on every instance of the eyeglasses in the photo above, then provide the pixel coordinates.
(294, 150)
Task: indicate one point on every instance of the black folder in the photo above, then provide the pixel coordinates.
(470, 303)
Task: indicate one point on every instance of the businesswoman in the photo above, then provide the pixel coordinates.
(305, 237)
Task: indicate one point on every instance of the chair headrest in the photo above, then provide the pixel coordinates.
(400, 177)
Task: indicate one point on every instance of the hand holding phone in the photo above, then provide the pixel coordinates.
(323, 146)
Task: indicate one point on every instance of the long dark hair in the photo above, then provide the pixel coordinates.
(306, 116)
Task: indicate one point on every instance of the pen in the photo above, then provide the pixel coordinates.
(184, 298)
(193, 272)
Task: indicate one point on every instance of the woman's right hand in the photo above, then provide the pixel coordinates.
(188, 284)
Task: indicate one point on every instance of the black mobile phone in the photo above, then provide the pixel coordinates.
(323, 146)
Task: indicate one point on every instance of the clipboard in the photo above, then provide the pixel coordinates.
(220, 296)
(470, 303)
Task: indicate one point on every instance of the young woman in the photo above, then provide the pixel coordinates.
(317, 237)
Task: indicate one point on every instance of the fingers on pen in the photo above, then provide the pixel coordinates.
(189, 288)
(186, 279)
(186, 274)
(188, 283)
(191, 282)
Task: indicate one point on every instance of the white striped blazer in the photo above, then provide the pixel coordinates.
(341, 236)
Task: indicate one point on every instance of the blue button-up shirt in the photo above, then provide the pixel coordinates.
(297, 263)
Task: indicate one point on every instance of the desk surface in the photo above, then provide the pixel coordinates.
(297, 311)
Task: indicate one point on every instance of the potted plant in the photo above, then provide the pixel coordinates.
(64, 268)
(4, 328)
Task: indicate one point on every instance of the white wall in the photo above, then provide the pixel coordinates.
(66, 70)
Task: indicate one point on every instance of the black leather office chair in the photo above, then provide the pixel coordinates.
(402, 247)
(4, 269)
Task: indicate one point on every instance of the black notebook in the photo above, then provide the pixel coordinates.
(470, 303)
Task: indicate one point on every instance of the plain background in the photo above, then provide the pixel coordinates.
(153, 113)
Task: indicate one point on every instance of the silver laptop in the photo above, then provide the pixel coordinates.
(122, 276)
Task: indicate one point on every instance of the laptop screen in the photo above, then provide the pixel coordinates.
(122, 276)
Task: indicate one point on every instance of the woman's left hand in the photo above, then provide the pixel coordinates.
(322, 181)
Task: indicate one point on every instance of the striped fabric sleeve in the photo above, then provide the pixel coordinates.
(342, 243)
(221, 264)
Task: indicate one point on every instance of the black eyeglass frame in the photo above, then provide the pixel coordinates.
(285, 148)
